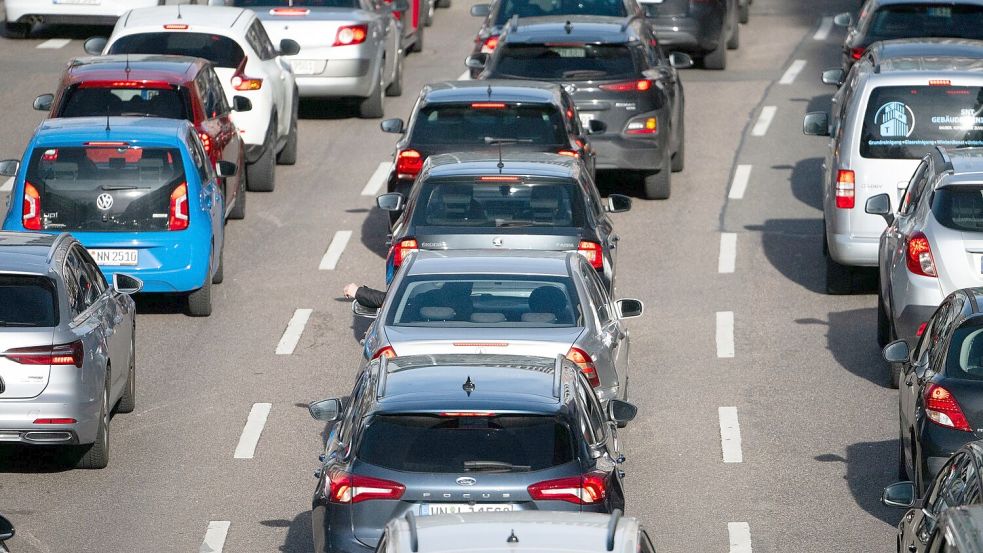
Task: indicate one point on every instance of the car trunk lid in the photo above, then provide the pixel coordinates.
(513, 238)
(20, 380)
(548, 342)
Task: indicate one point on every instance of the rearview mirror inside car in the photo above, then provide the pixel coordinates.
(618, 203)
(896, 352)
(9, 167)
(394, 126)
(326, 410)
(476, 61)
(843, 19)
(621, 411)
(680, 60)
(241, 103)
(630, 308)
(43, 102)
(833, 77)
(225, 169)
(289, 47)
(900, 495)
(126, 284)
(480, 10)
(392, 201)
(95, 45)
(362, 311)
(880, 204)
(816, 123)
(596, 126)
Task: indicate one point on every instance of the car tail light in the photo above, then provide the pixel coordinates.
(586, 365)
(387, 352)
(290, 11)
(845, 189)
(55, 421)
(921, 329)
(31, 210)
(647, 125)
(177, 215)
(857, 52)
(488, 105)
(568, 153)
(628, 86)
(342, 487)
(943, 409)
(408, 164)
(206, 142)
(63, 354)
(919, 255)
(592, 251)
(241, 82)
(351, 34)
(588, 489)
(176, 27)
(402, 249)
(489, 45)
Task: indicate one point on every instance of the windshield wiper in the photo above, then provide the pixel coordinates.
(501, 466)
(16, 323)
(583, 73)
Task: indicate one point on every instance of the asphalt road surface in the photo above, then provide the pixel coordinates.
(740, 357)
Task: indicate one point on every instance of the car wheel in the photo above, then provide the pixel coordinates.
(744, 11)
(431, 10)
(443, 3)
(418, 44)
(288, 155)
(260, 174)
(839, 278)
(717, 59)
(658, 185)
(734, 42)
(96, 454)
(128, 402)
(395, 88)
(238, 210)
(372, 107)
(15, 30)
(220, 272)
(679, 158)
(200, 301)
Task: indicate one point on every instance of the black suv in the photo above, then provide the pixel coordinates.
(463, 433)
(618, 77)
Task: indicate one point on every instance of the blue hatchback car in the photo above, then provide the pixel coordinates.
(139, 193)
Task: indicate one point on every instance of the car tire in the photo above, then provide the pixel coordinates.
(238, 210)
(15, 30)
(200, 300)
(128, 402)
(418, 43)
(288, 155)
(734, 42)
(395, 88)
(839, 278)
(716, 60)
(658, 185)
(431, 11)
(96, 454)
(373, 107)
(219, 275)
(679, 158)
(443, 3)
(744, 11)
(261, 174)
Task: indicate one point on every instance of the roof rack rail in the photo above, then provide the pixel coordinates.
(380, 387)
(557, 376)
(946, 160)
(414, 537)
(54, 245)
(612, 526)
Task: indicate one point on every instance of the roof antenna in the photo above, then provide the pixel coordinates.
(568, 27)
(179, 11)
(108, 128)
(468, 386)
(501, 164)
(489, 92)
(127, 68)
(512, 538)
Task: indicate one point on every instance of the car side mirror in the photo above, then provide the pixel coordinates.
(480, 10)
(394, 126)
(476, 61)
(225, 169)
(596, 126)
(880, 204)
(680, 60)
(618, 203)
(621, 411)
(241, 103)
(9, 167)
(816, 123)
(326, 410)
(289, 47)
(896, 352)
(43, 102)
(390, 202)
(94, 46)
(833, 77)
(630, 308)
(362, 311)
(900, 495)
(6, 529)
(126, 284)
(844, 19)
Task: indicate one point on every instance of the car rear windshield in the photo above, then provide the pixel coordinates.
(499, 301)
(550, 62)
(537, 8)
(500, 205)
(908, 122)
(929, 19)
(27, 301)
(104, 188)
(965, 358)
(221, 51)
(959, 208)
(296, 3)
(472, 122)
(86, 100)
(442, 444)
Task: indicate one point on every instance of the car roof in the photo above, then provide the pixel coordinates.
(79, 129)
(929, 47)
(591, 29)
(490, 262)
(513, 163)
(491, 90)
(204, 17)
(27, 252)
(175, 70)
(966, 165)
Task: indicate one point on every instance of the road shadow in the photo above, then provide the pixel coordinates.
(161, 304)
(806, 181)
(870, 466)
(375, 232)
(851, 338)
(819, 102)
(299, 533)
(620, 182)
(17, 458)
(326, 108)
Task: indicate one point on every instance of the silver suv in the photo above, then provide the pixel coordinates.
(896, 105)
(66, 346)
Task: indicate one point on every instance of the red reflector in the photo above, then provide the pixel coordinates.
(939, 82)
(592, 251)
(243, 83)
(55, 421)
(387, 351)
(581, 490)
(921, 329)
(488, 105)
(845, 189)
(403, 249)
(481, 344)
(408, 164)
(499, 178)
(175, 27)
(290, 11)
(342, 487)
(586, 365)
(943, 409)
(62, 354)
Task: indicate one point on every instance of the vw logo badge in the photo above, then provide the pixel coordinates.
(497, 241)
(466, 481)
(570, 88)
(104, 202)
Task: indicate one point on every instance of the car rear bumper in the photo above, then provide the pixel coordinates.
(345, 77)
(616, 151)
(698, 33)
(164, 267)
(859, 251)
(17, 418)
(911, 317)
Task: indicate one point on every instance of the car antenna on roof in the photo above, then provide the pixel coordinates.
(108, 128)
(502, 141)
(127, 68)
(568, 27)
(179, 12)
(489, 91)
(468, 386)
(512, 537)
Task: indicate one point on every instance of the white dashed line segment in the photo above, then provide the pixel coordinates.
(377, 179)
(215, 536)
(739, 185)
(792, 72)
(764, 121)
(54, 43)
(295, 328)
(725, 334)
(730, 435)
(728, 253)
(7, 186)
(740, 537)
(822, 33)
(466, 76)
(252, 431)
(335, 249)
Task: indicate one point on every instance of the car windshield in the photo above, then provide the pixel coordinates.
(103, 188)
(959, 207)
(926, 20)
(552, 62)
(296, 3)
(536, 8)
(908, 122)
(499, 205)
(221, 51)
(456, 444)
(965, 358)
(504, 301)
(471, 123)
(27, 301)
(86, 100)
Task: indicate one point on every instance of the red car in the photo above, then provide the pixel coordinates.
(172, 87)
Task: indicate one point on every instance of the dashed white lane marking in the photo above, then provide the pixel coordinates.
(466, 76)
(252, 431)
(739, 185)
(335, 249)
(764, 121)
(740, 537)
(215, 536)
(728, 253)
(730, 435)
(293, 332)
(725, 334)
(378, 177)
(822, 33)
(7, 186)
(54, 43)
(792, 72)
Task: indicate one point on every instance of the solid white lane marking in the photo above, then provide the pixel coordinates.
(728, 253)
(294, 329)
(739, 185)
(730, 435)
(792, 72)
(7, 186)
(378, 177)
(54, 43)
(252, 431)
(725, 334)
(764, 121)
(740, 537)
(466, 76)
(335, 249)
(822, 33)
(215, 536)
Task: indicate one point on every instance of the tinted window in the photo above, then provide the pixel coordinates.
(559, 62)
(965, 359)
(82, 292)
(959, 208)
(502, 204)
(82, 101)
(535, 8)
(428, 443)
(466, 124)
(260, 41)
(27, 301)
(303, 3)
(595, 289)
(221, 51)
(500, 301)
(104, 188)
(930, 19)
(908, 122)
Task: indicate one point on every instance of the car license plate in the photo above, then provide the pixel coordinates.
(115, 257)
(307, 67)
(585, 119)
(427, 509)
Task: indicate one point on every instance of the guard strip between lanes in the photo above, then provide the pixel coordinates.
(725, 334)
(792, 72)
(295, 328)
(215, 536)
(378, 177)
(730, 435)
(764, 121)
(728, 253)
(333, 254)
(740, 537)
(825, 26)
(255, 423)
(54, 44)
(739, 184)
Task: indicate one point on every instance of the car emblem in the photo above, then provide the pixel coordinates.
(497, 241)
(104, 202)
(570, 88)
(466, 481)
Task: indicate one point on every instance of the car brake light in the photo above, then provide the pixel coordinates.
(592, 251)
(581, 490)
(939, 82)
(845, 189)
(241, 82)
(488, 105)
(402, 249)
(648, 125)
(586, 365)
(921, 329)
(177, 216)
(126, 84)
(55, 421)
(920, 260)
(351, 34)
(408, 164)
(31, 211)
(943, 409)
(499, 178)
(387, 352)
(63, 354)
(857, 52)
(290, 11)
(342, 487)
(489, 45)
(568, 153)
(628, 86)
(467, 414)
(206, 142)
(176, 27)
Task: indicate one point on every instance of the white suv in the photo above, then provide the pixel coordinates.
(246, 61)
(19, 15)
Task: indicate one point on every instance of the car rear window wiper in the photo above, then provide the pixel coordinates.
(118, 187)
(514, 224)
(494, 466)
(17, 323)
(583, 73)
